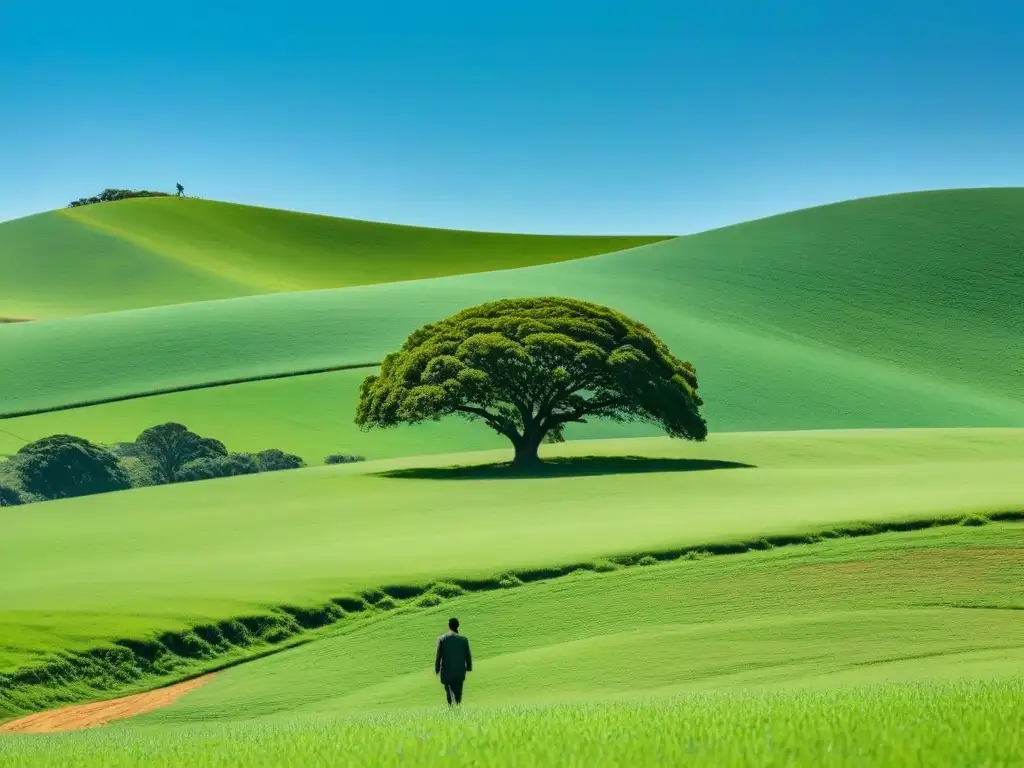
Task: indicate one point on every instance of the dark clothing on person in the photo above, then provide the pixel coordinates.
(452, 661)
(453, 691)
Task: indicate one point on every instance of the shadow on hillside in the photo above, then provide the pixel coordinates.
(580, 466)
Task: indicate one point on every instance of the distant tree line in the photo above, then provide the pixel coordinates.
(110, 195)
(64, 466)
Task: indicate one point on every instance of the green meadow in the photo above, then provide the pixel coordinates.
(832, 578)
(895, 649)
(78, 573)
(159, 251)
(811, 616)
(897, 725)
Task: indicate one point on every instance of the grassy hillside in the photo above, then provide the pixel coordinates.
(151, 252)
(886, 312)
(890, 650)
(131, 563)
(933, 595)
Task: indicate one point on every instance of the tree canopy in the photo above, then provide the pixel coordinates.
(9, 497)
(275, 460)
(169, 447)
(61, 466)
(229, 465)
(528, 367)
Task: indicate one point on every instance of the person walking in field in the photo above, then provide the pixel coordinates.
(452, 661)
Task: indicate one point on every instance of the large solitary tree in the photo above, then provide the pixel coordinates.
(528, 367)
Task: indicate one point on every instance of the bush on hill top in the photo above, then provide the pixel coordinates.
(110, 195)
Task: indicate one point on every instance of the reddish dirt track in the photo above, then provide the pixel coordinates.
(101, 712)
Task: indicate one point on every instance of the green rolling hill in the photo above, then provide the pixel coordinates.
(897, 311)
(644, 665)
(77, 574)
(157, 251)
(588, 637)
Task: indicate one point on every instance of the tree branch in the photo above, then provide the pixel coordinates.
(589, 407)
(492, 420)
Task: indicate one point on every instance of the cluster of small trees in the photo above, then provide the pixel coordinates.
(110, 195)
(62, 466)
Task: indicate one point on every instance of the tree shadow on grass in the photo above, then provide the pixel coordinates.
(579, 466)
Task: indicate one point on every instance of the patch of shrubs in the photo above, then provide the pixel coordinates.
(647, 560)
(509, 581)
(10, 497)
(696, 554)
(212, 467)
(64, 466)
(373, 596)
(975, 520)
(140, 473)
(275, 460)
(110, 195)
(387, 603)
(340, 458)
(447, 591)
(429, 600)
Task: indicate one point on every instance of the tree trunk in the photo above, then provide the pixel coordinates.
(526, 451)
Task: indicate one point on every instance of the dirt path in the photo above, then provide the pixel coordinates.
(101, 712)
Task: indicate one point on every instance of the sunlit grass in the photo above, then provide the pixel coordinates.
(954, 724)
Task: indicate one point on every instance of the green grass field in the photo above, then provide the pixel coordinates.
(892, 607)
(950, 724)
(777, 595)
(151, 252)
(895, 649)
(140, 562)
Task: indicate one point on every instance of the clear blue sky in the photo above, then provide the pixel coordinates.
(532, 116)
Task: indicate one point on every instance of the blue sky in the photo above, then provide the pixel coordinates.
(551, 116)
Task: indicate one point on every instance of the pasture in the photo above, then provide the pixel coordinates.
(895, 649)
(892, 607)
(80, 573)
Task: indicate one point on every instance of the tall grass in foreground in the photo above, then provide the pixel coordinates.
(969, 723)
